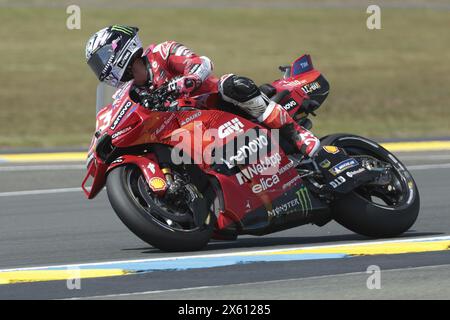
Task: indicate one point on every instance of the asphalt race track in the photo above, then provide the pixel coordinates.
(59, 226)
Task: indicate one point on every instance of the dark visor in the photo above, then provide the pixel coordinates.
(99, 61)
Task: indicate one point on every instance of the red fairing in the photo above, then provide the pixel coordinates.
(150, 168)
(148, 164)
(97, 172)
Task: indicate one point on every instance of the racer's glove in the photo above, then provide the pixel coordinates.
(184, 85)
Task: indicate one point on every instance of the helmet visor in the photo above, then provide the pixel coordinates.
(101, 61)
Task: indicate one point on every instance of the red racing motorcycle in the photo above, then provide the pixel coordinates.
(180, 171)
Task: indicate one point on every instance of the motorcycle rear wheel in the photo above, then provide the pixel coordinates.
(145, 216)
(364, 213)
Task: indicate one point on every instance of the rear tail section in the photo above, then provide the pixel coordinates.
(303, 81)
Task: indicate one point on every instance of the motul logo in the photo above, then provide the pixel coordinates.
(230, 127)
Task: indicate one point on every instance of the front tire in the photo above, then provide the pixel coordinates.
(143, 218)
(358, 212)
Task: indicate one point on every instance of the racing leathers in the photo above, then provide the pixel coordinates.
(187, 73)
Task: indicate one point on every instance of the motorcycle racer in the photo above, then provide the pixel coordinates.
(116, 56)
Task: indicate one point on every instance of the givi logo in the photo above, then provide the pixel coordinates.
(230, 127)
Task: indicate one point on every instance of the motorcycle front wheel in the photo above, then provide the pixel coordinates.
(150, 218)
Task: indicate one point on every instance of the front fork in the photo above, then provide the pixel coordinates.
(168, 174)
(182, 193)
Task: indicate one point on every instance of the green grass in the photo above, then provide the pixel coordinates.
(393, 82)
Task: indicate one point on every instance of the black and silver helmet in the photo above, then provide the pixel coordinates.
(110, 51)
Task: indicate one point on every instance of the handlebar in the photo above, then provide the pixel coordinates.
(163, 99)
(159, 97)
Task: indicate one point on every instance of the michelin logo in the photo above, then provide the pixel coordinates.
(344, 165)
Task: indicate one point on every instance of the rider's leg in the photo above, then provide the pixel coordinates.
(245, 94)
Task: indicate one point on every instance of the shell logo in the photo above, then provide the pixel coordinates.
(157, 184)
(331, 149)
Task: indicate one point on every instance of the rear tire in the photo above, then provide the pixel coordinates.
(146, 226)
(365, 217)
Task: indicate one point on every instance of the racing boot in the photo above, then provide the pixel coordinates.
(276, 117)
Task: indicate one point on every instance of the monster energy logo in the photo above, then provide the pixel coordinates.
(305, 200)
(127, 30)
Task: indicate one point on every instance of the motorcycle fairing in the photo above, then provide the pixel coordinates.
(296, 207)
(239, 200)
(148, 164)
(96, 171)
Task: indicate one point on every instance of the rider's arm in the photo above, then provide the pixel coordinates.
(182, 61)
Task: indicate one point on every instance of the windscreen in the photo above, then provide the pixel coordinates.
(104, 96)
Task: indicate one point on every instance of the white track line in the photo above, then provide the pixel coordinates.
(43, 168)
(38, 192)
(230, 254)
